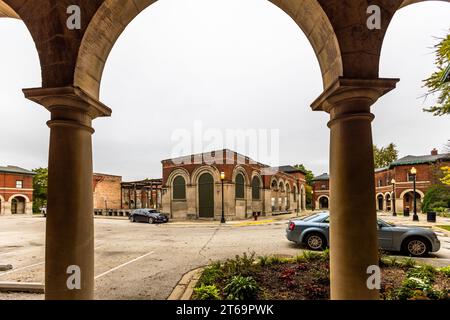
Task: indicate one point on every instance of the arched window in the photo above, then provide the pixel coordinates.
(179, 188)
(240, 186)
(256, 189)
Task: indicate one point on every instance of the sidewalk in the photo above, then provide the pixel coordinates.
(408, 221)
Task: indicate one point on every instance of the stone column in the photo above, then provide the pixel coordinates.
(70, 223)
(353, 229)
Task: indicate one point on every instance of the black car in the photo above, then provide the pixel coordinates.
(148, 215)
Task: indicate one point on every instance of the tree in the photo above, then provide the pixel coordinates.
(446, 179)
(40, 182)
(385, 156)
(437, 197)
(309, 184)
(439, 81)
(309, 173)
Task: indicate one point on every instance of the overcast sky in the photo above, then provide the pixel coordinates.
(222, 66)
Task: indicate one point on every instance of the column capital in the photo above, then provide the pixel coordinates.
(348, 90)
(68, 98)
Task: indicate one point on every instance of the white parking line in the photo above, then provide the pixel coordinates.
(23, 268)
(123, 265)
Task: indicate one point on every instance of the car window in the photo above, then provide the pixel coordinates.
(313, 217)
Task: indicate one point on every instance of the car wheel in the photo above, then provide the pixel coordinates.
(416, 247)
(132, 219)
(151, 221)
(315, 242)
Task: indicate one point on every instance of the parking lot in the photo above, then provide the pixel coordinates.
(142, 261)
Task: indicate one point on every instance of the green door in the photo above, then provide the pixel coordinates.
(206, 196)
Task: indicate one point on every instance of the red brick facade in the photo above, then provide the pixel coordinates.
(264, 190)
(16, 191)
(428, 174)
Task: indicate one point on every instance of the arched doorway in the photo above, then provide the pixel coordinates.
(380, 199)
(388, 203)
(324, 203)
(206, 196)
(408, 201)
(18, 205)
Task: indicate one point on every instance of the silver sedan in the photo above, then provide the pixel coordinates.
(313, 232)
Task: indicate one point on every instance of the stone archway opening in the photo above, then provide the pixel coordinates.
(388, 202)
(408, 201)
(324, 203)
(380, 203)
(18, 205)
(206, 196)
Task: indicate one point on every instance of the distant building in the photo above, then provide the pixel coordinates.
(110, 193)
(142, 194)
(428, 174)
(16, 191)
(192, 187)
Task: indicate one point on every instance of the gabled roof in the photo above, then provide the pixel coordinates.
(16, 170)
(323, 177)
(412, 160)
(291, 169)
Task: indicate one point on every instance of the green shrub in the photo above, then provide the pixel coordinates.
(205, 292)
(245, 265)
(299, 258)
(311, 256)
(211, 274)
(409, 262)
(445, 271)
(425, 273)
(274, 260)
(241, 288)
(436, 196)
(326, 255)
(263, 261)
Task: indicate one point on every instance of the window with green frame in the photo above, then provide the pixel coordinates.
(179, 188)
(256, 189)
(240, 186)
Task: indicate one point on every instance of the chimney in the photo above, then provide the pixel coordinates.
(434, 152)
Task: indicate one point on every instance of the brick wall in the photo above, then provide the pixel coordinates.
(107, 191)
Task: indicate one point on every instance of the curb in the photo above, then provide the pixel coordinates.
(185, 287)
(21, 287)
(444, 231)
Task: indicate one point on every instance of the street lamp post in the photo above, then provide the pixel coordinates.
(222, 179)
(414, 175)
(394, 198)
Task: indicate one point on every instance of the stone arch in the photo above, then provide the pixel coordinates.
(113, 17)
(19, 195)
(321, 202)
(402, 195)
(241, 170)
(2, 203)
(274, 183)
(19, 204)
(200, 170)
(179, 172)
(380, 201)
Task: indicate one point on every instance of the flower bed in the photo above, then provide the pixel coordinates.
(306, 277)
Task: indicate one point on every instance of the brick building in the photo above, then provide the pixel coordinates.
(16, 191)
(394, 183)
(192, 187)
(107, 191)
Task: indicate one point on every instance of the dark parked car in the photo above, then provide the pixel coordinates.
(313, 232)
(148, 215)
